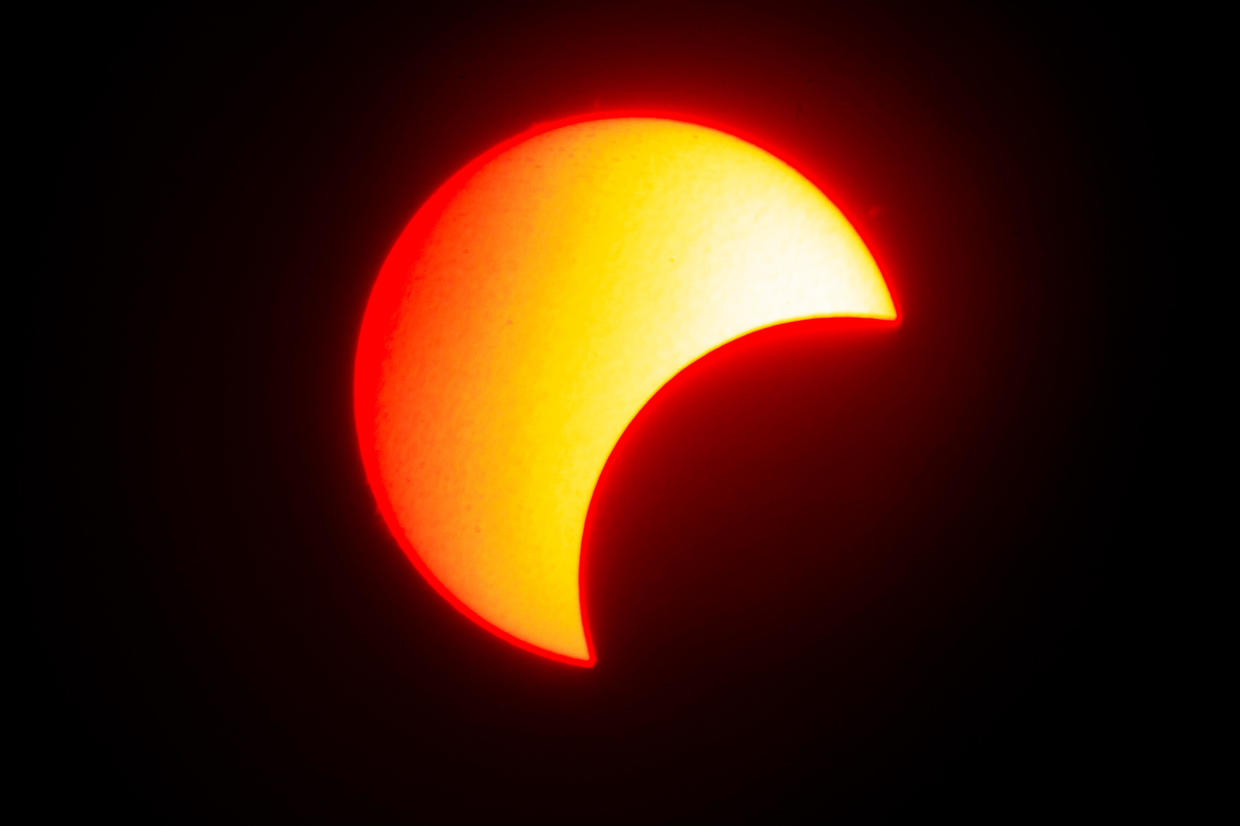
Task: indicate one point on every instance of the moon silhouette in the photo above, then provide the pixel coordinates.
(531, 308)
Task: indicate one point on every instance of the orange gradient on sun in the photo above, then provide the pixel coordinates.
(531, 308)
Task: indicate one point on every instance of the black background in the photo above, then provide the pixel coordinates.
(868, 572)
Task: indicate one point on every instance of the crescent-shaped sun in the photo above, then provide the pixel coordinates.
(531, 308)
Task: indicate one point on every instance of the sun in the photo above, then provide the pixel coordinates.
(531, 308)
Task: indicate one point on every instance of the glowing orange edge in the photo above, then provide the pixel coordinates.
(383, 300)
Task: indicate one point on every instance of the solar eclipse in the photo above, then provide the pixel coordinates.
(531, 308)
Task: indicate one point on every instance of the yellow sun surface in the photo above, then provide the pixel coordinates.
(532, 307)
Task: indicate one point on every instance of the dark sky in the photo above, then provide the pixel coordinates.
(864, 575)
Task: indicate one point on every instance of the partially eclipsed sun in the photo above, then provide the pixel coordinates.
(532, 307)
